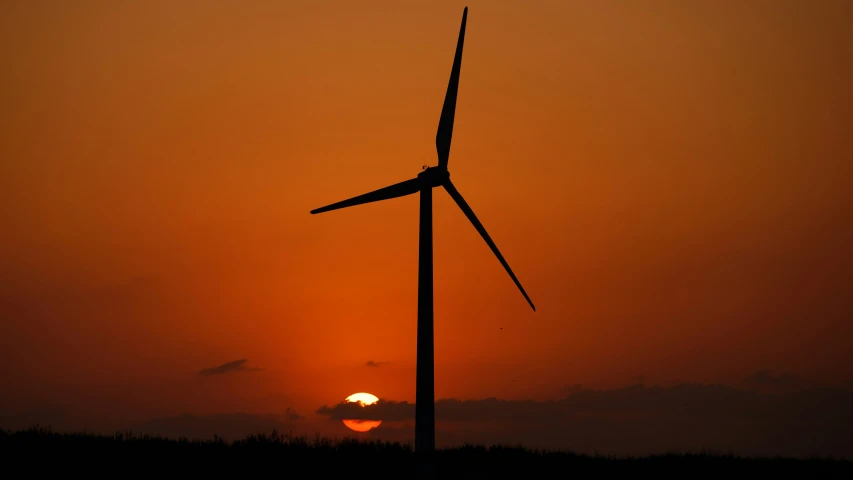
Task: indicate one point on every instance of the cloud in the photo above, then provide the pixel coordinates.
(767, 379)
(639, 420)
(228, 426)
(381, 410)
(291, 415)
(371, 363)
(235, 366)
(577, 387)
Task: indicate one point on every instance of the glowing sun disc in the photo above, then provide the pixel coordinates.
(363, 399)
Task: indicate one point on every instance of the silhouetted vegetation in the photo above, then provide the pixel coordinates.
(41, 450)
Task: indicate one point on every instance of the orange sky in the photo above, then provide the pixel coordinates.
(669, 181)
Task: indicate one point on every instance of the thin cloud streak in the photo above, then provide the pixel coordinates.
(235, 366)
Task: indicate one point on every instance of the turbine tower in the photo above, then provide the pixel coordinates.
(430, 178)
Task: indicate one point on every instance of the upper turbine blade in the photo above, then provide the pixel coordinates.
(397, 190)
(448, 185)
(448, 111)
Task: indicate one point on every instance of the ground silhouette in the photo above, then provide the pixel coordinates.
(42, 450)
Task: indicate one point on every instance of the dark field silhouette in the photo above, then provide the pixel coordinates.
(44, 451)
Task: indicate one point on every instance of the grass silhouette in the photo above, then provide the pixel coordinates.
(41, 450)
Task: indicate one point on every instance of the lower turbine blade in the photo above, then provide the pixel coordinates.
(479, 226)
(397, 190)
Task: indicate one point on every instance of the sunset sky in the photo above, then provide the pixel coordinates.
(669, 180)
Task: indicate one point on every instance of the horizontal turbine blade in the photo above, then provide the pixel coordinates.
(448, 111)
(397, 190)
(448, 185)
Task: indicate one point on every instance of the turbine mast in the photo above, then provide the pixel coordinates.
(425, 375)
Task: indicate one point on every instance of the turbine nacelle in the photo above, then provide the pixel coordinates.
(434, 177)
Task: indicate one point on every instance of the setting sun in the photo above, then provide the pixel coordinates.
(363, 399)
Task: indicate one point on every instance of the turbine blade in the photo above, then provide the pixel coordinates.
(397, 190)
(448, 111)
(448, 185)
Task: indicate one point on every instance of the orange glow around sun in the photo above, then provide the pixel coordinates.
(362, 425)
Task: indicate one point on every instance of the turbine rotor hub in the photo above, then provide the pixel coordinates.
(434, 176)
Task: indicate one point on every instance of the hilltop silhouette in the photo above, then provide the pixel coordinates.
(40, 449)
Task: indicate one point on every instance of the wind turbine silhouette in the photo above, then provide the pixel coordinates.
(430, 178)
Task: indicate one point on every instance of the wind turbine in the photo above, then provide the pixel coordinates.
(430, 178)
